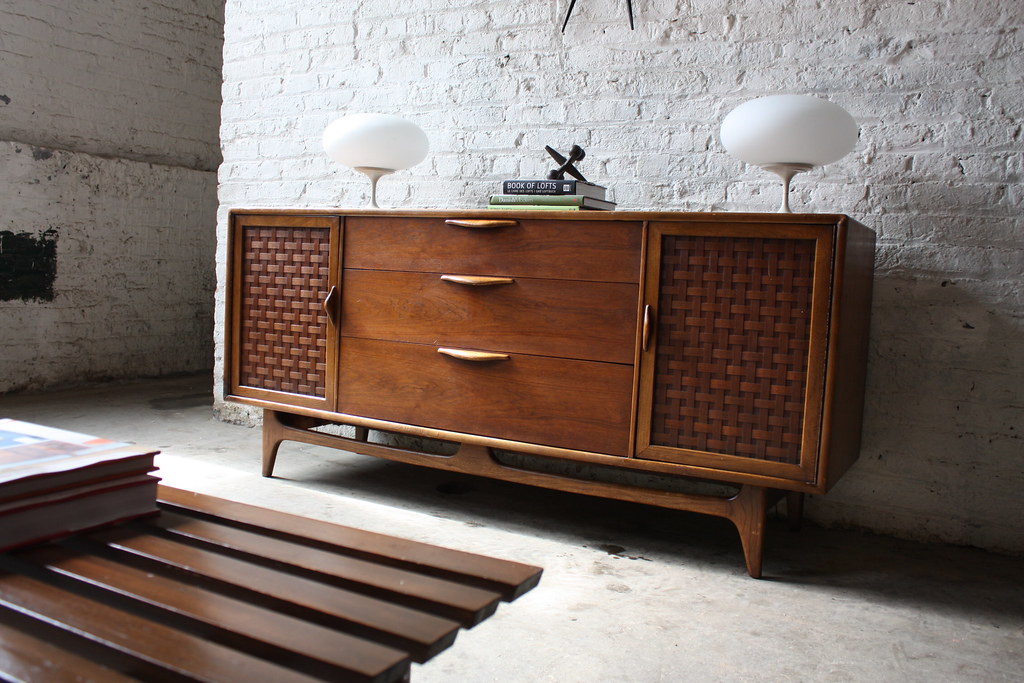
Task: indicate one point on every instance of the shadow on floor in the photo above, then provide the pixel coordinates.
(958, 580)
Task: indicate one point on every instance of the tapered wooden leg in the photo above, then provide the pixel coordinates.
(749, 513)
(273, 435)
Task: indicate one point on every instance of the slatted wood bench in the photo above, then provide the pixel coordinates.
(214, 590)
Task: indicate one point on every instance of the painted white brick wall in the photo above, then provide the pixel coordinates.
(134, 281)
(109, 117)
(133, 79)
(935, 85)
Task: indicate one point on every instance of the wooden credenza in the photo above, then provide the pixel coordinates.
(724, 348)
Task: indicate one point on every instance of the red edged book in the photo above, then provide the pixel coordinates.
(55, 482)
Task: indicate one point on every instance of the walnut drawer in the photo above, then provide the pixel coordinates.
(603, 251)
(581, 405)
(563, 318)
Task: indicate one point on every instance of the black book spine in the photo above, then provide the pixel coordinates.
(538, 187)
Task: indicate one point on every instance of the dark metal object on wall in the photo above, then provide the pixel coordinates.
(572, 4)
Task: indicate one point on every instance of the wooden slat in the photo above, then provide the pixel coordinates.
(465, 604)
(306, 646)
(422, 635)
(150, 650)
(193, 596)
(28, 657)
(510, 579)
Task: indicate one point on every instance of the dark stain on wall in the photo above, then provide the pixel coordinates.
(28, 265)
(41, 153)
(5, 99)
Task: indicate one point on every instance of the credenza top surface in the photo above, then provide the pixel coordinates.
(710, 216)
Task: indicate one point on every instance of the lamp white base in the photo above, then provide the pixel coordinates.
(374, 174)
(786, 172)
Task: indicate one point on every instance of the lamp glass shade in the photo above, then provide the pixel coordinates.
(378, 141)
(789, 129)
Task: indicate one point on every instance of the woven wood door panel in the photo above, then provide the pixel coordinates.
(283, 342)
(733, 336)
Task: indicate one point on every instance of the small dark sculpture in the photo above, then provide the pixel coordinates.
(576, 153)
(572, 3)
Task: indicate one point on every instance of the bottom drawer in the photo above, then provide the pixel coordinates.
(580, 405)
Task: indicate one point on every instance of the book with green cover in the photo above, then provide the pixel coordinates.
(537, 207)
(560, 201)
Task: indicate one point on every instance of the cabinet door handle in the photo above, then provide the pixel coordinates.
(475, 356)
(331, 305)
(477, 280)
(648, 322)
(481, 223)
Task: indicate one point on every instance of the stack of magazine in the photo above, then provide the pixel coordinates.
(54, 483)
(559, 195)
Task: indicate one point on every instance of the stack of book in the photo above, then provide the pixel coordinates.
(54, 483)
(559, 195)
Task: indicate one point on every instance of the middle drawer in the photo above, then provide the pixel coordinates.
(556, 318)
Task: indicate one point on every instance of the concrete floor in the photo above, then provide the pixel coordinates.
(629, 593)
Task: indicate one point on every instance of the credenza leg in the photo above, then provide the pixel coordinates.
(273, 435)
(747, 509)
(749, 512)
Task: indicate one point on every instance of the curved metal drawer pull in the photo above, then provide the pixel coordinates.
(477, 356)
(477, 280)
(481, 223)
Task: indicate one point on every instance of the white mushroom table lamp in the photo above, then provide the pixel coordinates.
(788, 134)
(375, 145)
